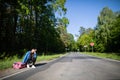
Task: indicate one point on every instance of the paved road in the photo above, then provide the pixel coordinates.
(73, 66)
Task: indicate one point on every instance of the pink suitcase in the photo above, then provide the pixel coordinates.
(19, 65)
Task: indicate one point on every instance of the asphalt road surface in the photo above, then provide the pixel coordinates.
(73, 66)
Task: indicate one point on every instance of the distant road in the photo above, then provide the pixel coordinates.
(73, 66)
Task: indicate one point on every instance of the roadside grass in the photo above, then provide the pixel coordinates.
(48, 57)
(103, 55)
(7, 62)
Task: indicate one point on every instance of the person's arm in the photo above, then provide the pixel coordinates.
(26, 57)
(35, 55)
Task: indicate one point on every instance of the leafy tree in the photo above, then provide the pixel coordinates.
(86, 37)
(82, 30)
(105, 35)
(8, 21)
(114, 43)
(31, 23)
(103, 28)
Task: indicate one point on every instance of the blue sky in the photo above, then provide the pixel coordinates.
(85, 12)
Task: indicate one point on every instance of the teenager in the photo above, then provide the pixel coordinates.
(30, 57)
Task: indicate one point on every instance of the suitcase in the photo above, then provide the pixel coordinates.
(19, 65)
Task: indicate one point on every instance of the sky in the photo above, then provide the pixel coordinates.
(85, 12)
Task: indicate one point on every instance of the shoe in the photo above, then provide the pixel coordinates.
(33, 66)
(28, 66)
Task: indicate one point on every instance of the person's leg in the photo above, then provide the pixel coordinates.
(33, 62)
(28, 63)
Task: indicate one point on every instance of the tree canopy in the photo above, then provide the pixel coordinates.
(106, 33)
(27, 24)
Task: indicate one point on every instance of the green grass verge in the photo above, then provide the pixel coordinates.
(103, 55)
(7, 62)
(48, 57)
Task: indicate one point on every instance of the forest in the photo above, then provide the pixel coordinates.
(27, 24)
(105, 35)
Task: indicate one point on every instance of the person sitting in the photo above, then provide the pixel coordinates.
(30, 57)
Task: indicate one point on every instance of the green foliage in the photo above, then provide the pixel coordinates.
(59, 7)
(31, 23)
(86, 37)
(103, 28)
(65, 37)
(7, 62)
(105, 35)
(104, 55)
(48, 57)
(115, 36)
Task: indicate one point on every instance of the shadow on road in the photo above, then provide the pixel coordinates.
(39, 64)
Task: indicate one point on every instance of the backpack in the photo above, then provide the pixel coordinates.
(19, 65)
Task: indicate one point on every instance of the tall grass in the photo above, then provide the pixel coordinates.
(104, 55)
(7, 62)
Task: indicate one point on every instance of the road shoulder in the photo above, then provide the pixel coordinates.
(11, 71)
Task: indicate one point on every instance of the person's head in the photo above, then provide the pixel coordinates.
(33, 50)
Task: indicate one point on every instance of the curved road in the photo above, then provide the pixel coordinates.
(73, 66)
